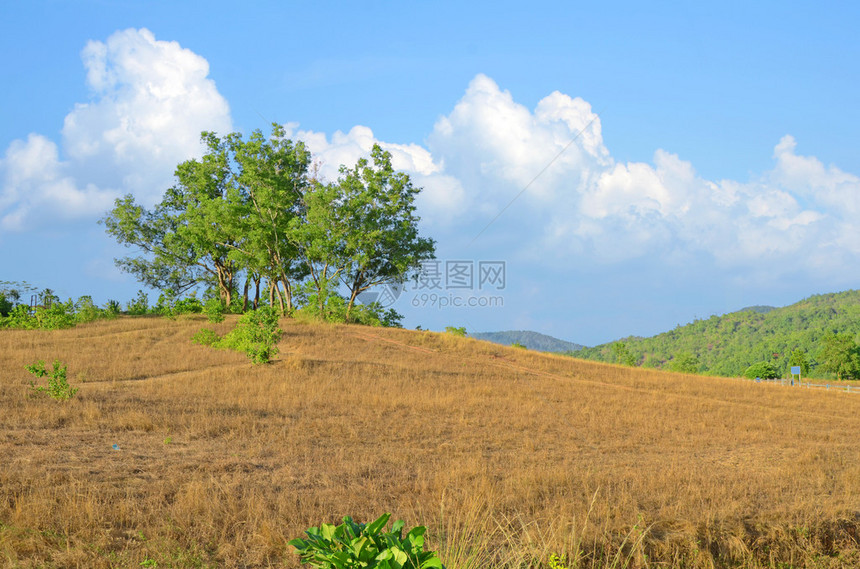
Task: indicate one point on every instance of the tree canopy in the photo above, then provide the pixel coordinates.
(253, 209)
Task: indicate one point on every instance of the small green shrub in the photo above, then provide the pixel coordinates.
(518, 345)
(140, 305)
(21, 318)
(375, 315)
(205, 337)
(86, 310)
(58, 385)
(190, 305)
(256, 335)
(456, 331)
(214, 310)
(56, 316)
(354, 545)
(112, 308)
(764, 370)
(170, 307)
(556, 562)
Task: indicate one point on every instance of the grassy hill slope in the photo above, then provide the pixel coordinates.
(726, 345)
(177, 455)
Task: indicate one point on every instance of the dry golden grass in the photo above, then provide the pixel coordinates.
(505, 455)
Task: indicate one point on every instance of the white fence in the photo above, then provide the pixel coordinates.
(800, 383)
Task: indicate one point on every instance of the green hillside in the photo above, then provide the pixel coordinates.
(531, 340)
(727, 345)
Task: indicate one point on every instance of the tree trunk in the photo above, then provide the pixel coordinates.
(288, 292)
(350, 305)
(280, 298)
(245, 293)
(225, 283)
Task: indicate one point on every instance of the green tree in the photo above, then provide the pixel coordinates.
(270, 177)
(383, 245)
(320, 234)
(10, 295)
(798, 358)
(182, 239)
(763, 370)
(840, 355)
(6, 304)
(622, 355)
(685, 362)
(361, 231)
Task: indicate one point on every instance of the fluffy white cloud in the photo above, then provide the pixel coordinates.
(585, 204)
(38, 185)
(495, 145)
(573, 201)
(440, 194)
(151, 100)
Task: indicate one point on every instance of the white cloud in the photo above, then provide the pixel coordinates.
(37, 184)
(577, 203)
(496, 146)
(585, 205)
(440, 193)
(151, 100)
(810, 179)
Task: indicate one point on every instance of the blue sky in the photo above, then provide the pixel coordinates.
(716, 166)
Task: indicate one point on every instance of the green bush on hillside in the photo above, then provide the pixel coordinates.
(685, 362)
(214, 310)
(763, 370)
(139, 306)
(256, 335)
(58, 385)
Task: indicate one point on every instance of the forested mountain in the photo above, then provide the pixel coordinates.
(529, 339)
(727, 345)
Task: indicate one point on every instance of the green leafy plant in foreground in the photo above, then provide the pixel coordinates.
(58, 385)
(354, 545)
(556, 562)
(461, 331)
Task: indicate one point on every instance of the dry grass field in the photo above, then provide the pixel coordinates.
(505, 455)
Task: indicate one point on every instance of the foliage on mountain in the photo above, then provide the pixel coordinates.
(531, 340)
(816, 333)
(840, 355)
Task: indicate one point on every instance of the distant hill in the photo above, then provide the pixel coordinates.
(761, 309)
(727, 345)
(529, 339)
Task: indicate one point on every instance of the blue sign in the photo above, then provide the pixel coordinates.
(795, 370)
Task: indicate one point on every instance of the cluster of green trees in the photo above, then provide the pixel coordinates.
(252, 218)
(50, 313)
(819, 334)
